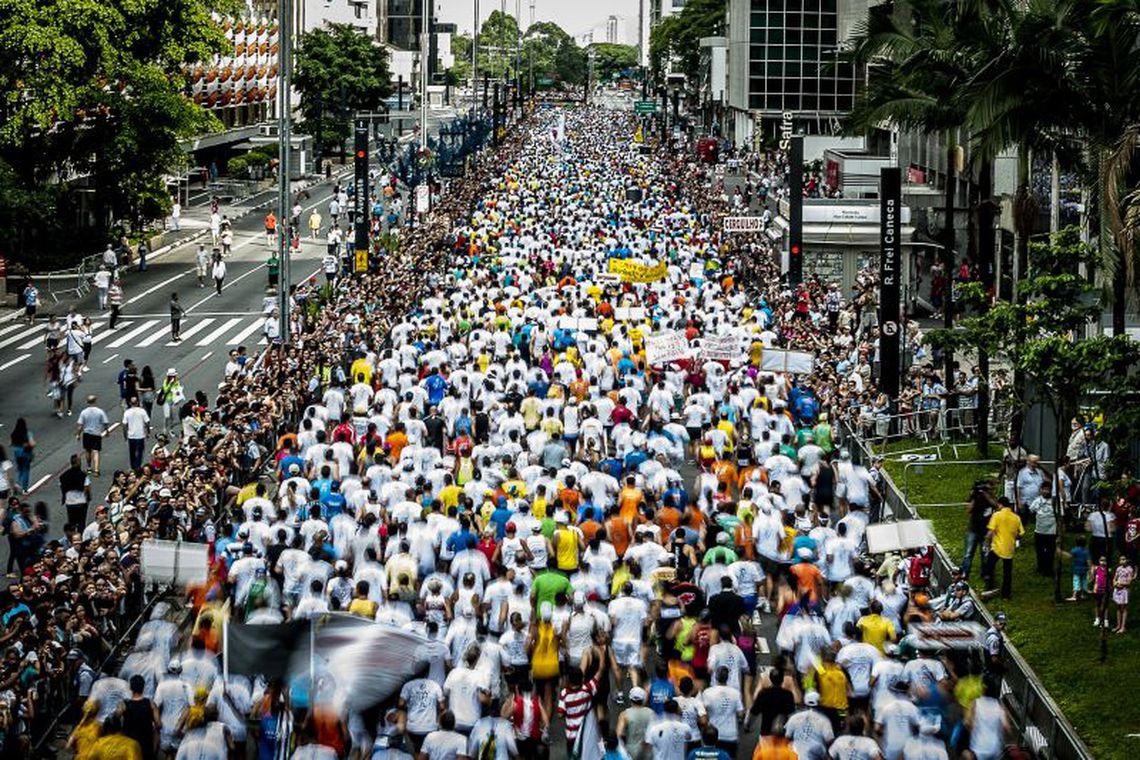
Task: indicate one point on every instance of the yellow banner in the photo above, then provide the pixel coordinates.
(362, 261)
(632, 271)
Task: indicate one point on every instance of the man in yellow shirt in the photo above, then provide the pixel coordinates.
(1004, 529)
(877, 630)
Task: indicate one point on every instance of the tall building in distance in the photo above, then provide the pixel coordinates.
(612, 30)
(403, 22)
(783, 65)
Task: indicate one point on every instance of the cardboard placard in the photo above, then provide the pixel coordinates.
(666, 347)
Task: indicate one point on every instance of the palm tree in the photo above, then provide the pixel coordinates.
(921, 58)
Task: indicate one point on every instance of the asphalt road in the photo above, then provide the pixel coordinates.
(212, 326)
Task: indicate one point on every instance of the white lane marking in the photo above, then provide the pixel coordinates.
(40, 482)
(12, 328)
(132, 334)
(14, 362)
(245, 333)
(206, 356)
(192, 331)
(226, 327)
(109, 358)
(114, 427)
(160, 285)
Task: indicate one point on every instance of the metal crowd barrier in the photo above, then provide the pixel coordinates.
(1037, 717)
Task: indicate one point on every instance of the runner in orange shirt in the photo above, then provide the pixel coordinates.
(630, 500)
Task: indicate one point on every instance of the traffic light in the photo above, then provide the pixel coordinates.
(795, 249)
(361, 154)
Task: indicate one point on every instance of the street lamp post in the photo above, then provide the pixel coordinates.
(284, 129)
(425, 45)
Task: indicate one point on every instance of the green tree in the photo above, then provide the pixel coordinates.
(554, 53)
(610, 59)
(339, 70)
(675, 43)
(93, 92)
(1042, 336)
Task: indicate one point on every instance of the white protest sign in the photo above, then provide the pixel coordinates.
(606, 278)
(899, 536)
(720, 348)
(666, 347)
(795, 362)
(588, 324)
(423, 199)
(174, 562)
(629, 313)
(697, 270)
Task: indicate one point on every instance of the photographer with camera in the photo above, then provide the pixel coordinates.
(979, 508)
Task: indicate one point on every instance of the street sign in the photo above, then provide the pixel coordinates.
(423, 199)
(645, 106)
(743, 224)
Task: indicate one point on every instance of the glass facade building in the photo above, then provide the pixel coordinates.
(793, 62)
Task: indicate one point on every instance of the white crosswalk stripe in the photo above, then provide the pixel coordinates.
(104, 334)
(12, 327)
(143, 333)
(130, 335)
(225, 328)
(22, 335)
(193, 330)
(155, 337)
(245, 333)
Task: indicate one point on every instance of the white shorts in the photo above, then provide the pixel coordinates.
(627, 652)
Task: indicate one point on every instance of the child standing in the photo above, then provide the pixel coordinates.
(1079, 558)
(1098, 580)
(1121, 580)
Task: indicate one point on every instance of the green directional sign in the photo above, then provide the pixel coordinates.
(645, 106)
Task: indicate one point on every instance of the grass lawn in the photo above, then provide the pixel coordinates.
(1057, 640)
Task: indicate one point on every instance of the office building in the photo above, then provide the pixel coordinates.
(783, 64)
(612, 30)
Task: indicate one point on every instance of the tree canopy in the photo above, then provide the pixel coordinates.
(546, 46)
(675, 43)
(338, 70)
(93, 95)
(611, 59)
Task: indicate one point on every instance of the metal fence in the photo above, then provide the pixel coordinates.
(1038, 719)
(936, 426)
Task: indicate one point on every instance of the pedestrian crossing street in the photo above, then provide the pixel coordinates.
(141, 333)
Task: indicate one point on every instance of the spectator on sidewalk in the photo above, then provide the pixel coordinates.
(1045, 529)
(176, 216)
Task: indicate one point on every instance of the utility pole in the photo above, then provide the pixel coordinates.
(284, 129)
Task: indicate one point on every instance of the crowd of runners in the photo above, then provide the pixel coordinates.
(601, 556)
